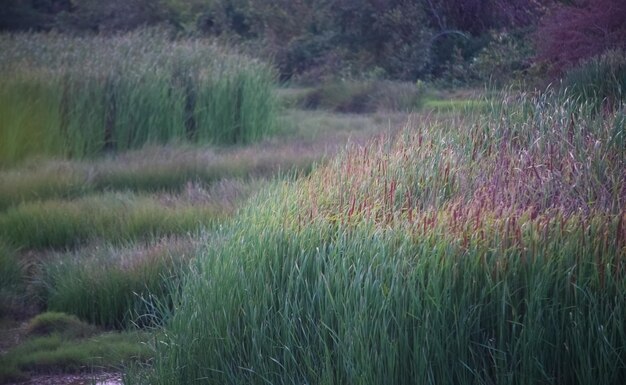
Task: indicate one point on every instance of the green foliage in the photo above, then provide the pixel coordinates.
(600, 81)
(77, 97)
(112, 217)
(364, 96)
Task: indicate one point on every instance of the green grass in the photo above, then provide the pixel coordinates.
(347, 96)
(58, 354)
(11, 282)
(117, 287)
(67, 326)
(112, 217)
(82, 96)
(458, 105)
(481, 249)
(600, 80)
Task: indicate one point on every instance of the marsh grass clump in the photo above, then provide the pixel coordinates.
(83, 96)
(484, 249)
(59, 323)
(117, 287)
(600, 80)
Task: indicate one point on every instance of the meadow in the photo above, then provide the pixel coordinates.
(352, 232)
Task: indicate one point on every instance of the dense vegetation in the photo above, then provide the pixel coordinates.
(159, 179)
(82, 96)
(482, 250)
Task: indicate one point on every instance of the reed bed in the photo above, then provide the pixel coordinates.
(487, 249)
(82, 96)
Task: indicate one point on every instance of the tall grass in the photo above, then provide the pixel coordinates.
(11, 282)
(81, 96)
(483, 250)
(117, 287)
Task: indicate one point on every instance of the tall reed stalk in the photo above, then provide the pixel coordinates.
(81, 96)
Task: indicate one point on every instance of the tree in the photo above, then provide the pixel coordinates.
(572, 33)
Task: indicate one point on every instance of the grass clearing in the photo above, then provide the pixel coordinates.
(482, 249)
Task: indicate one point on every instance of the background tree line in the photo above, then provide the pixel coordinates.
(460, 40)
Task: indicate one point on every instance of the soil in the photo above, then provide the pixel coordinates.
(75, 379)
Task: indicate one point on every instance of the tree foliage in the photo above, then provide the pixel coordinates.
(584, 29)
(405, 39)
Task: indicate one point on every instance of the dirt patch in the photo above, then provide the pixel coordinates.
(75, 379)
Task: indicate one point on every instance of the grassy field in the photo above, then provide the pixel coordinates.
(479, 240)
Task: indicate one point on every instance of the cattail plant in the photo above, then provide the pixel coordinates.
(82, 96)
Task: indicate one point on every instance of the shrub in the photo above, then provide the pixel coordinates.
(354, 96)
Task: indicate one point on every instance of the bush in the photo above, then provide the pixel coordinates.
(352, 96)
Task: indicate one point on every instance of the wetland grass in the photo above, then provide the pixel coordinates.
(485, 249)
(83, 96)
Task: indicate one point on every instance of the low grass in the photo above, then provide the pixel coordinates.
(346, 96)
(67, 326)
(58, 354)
(112, 217)
(482, 249)
(306, 138)
(82, 96)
